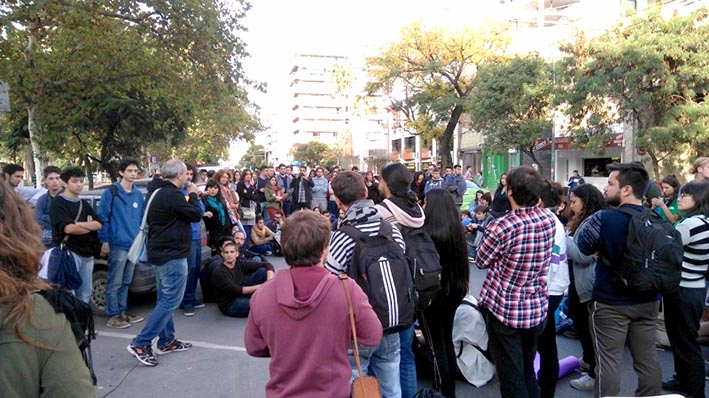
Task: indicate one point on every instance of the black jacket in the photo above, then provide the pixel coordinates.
(169, 218)
(308, 185)
(246, 194)
(217, 230)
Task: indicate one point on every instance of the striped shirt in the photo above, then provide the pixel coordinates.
(341, 247)
(695, 238)
(517, 249)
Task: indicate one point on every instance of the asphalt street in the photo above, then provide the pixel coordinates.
(218, 365)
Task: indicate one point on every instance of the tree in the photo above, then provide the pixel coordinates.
(254, 157)
(511, 104)
(428, 75)
(183, 57)
(313, 153)
(650, 73)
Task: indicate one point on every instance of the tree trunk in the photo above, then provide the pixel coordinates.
(87, 170)
(447, 140)
(532, 155)
(32, 114)
(655, 165)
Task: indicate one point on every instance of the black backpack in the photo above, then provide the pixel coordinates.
(652, 257)
(380, 268)
(423, 259)
(80, 318)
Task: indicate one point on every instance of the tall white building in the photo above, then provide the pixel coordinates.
(326, 107)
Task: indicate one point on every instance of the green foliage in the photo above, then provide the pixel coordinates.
(428, 75)
(254, 157)
(314, 153)
(171, 71)
(650, 73)
(511, 104)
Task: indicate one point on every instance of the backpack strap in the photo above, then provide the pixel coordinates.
(114, 193)
(485, 353)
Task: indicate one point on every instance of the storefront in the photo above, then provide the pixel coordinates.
(591, 165)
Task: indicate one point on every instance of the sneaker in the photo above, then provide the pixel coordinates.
(144, 355)
(117, 322)
(199, 305)
(583, 383)
(188, 311)
(130, 318)
(583, 366)
(174, 346)
(268, 254)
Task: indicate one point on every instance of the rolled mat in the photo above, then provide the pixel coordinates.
(566, 365)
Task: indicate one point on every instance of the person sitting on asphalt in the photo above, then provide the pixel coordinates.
(302, 302)
(235, 280)
(262, 238)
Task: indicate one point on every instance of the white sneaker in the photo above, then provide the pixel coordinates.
(583, 366)
(583, 383)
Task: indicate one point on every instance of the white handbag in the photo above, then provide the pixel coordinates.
(138, 251)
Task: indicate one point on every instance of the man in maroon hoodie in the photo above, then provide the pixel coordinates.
(301, 320)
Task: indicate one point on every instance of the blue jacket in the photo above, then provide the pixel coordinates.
(41, 214)
(121, 214)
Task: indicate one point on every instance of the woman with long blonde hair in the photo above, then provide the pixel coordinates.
(38, 350)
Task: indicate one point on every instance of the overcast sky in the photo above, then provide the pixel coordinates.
(279, 29)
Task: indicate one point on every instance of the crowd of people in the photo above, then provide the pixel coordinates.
(539, 245)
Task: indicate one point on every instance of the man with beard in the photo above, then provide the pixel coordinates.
(620, 316)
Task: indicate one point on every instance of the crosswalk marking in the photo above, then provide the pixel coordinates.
(201, 344)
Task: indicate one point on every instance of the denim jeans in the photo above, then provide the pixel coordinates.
(332, 206)
(120, 275)
(264, 213)
(193, 262)
(382, 362)
(85, 266)
(171, 278)
(239, 308)
(261, 249)
(287, 208)
(407, 366)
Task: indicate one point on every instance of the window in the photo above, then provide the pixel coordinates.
(596, 167)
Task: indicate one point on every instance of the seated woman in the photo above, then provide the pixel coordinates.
(39, 353)
(235, 279)
(262, 238)
(216, 215)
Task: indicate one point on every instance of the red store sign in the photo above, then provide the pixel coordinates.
(564, 143)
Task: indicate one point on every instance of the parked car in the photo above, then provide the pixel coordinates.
(469, 196)
(144, 274)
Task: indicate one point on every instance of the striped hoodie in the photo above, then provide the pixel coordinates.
(364, 216)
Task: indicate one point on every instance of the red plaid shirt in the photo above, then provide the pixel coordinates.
(517, 250)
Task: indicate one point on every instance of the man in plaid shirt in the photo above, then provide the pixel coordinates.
(516, 250)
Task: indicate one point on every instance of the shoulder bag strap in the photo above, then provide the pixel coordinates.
(145, 215)
(344, 279)
(76, 219)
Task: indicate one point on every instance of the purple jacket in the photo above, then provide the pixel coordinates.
(300, 319)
